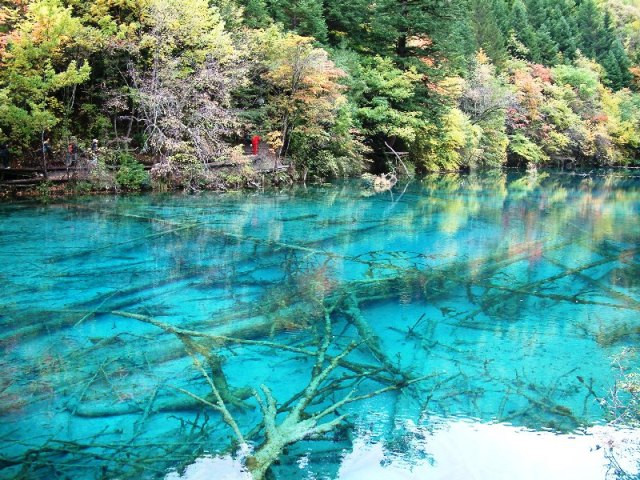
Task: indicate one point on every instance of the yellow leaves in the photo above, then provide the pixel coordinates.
(38, 66)
(611, 107)
(455, 216)
(556, 143)
(482, 58)
(72, 75)
(460, 137)
(455, 142)
(623, 121)
(559, 195)
(293, 62)
(274, 139)
(115, 21)
(529, 92)
(458, 129)
(305, 92)
(452, 87)
(49, 26)
(188, 27)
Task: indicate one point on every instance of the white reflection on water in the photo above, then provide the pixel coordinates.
(466, 450)
(218, 468)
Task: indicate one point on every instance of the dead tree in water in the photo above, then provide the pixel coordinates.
(301, 419)
(300, 303)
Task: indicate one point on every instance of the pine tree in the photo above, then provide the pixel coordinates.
(363, 25)
(562, 33)
(463, 44)
(405, 29)
(624, 64)
(423, 19)
(547, 48)
(613, 77)
(606, 37)
(345, 21)
(255, 13)
(500, 10)
(488, 34)
(311, 19)
(589, 22)
(302, 16)
(523, 30)
(536, 10)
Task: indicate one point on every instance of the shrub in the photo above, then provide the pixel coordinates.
(43, 191)
(131, 175)
(525, 149)
(101, 177)
(80, 188)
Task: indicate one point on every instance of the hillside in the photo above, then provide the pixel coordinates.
(333, 87)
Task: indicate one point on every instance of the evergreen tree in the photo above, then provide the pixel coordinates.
(622, 59)
(405, 29)
(606, 37)
(311, 19)
(462, 45)
(537, 14)
(562, 33)
(613, 77)
(345, 21)
(488, 34)
(255, 13)
(589, 23)
(361, 25)
(302, 16)
(500, 10)
(547, 49)
(428, 20)
(523, 30)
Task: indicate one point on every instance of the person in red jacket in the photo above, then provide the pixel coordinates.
(255, 143)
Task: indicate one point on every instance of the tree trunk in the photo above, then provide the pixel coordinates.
(44, 155)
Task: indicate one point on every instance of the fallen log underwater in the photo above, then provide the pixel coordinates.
(405, 279)
(304, 309)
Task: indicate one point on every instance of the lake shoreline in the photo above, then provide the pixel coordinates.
(455, 310)
(69, 183)
(232, 178)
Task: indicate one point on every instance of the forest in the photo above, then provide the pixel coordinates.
(333, 88)
(474, 284)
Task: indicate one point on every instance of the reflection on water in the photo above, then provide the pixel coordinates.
(498, 298)
(463, 450)
(457, 449)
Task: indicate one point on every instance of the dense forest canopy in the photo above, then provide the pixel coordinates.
(333, 86)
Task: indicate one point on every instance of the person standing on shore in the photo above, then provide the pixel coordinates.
(255, 143)
(47, 151)
(5, 156)
(94, 152)
(72, 152)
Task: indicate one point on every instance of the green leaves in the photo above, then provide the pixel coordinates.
(528, 151)
(384, 97)
(39, 64)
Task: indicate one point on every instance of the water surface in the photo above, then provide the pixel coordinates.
(512, 298)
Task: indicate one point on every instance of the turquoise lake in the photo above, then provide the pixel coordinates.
(480, 322)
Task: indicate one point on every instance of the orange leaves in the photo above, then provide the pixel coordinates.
(541, 72)
(422, 42)
(529, 86)
(601, 118)
(304, 84)
(635, 71)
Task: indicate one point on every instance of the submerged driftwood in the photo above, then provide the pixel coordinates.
(299, 423)
(335, 379)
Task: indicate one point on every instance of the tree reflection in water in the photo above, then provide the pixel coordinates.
(140, 333)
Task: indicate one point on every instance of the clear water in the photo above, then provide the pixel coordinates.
(510, 295)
